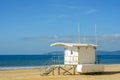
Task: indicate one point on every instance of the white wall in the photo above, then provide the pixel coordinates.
(86, 55)
(81, 55)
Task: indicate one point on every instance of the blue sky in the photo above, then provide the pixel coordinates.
(30, 26)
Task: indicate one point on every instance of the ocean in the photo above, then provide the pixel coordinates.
(38, 61)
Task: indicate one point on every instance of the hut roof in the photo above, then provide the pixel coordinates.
(73, 45)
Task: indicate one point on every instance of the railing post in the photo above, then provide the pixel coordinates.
(97, 60)
(58, 65)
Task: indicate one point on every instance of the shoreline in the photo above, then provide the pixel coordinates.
(37, 67)
(20, 68)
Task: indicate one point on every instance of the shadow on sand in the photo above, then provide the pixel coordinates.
(111, 72)
(104, 73)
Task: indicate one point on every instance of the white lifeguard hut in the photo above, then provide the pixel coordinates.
(81, 55)
(75, 54)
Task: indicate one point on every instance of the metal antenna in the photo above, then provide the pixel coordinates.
(78, 33)
(84, 38)
(95, 34)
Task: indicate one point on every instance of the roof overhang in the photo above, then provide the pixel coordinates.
(73, 45)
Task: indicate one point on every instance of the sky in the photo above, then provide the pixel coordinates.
(30, 26)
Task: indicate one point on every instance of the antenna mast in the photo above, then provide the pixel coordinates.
(95, 35)
(84, 38)
(78, 33)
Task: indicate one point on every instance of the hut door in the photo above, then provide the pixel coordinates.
(71, 56)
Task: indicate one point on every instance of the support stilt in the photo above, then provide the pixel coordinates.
(59, 70)
(53, 71)
(74, 68)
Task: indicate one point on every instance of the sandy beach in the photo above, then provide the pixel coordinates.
(112, 72)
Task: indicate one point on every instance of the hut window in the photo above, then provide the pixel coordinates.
(71, 52)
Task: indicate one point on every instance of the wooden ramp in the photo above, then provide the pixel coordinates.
(47, 71)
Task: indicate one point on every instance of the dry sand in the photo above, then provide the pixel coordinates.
(111, 72)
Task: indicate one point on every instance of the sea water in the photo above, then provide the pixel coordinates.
(38, 61)
(23, 61)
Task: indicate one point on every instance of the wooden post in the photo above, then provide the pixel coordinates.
(53, 71)
(59, 70)
(74, 67)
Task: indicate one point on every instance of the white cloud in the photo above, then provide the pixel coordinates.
(67, 6)
(71, 7)
(90, 39)
(56, 17)
(62, 16)
(116, 35)
(90, 11)
(108, 42)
